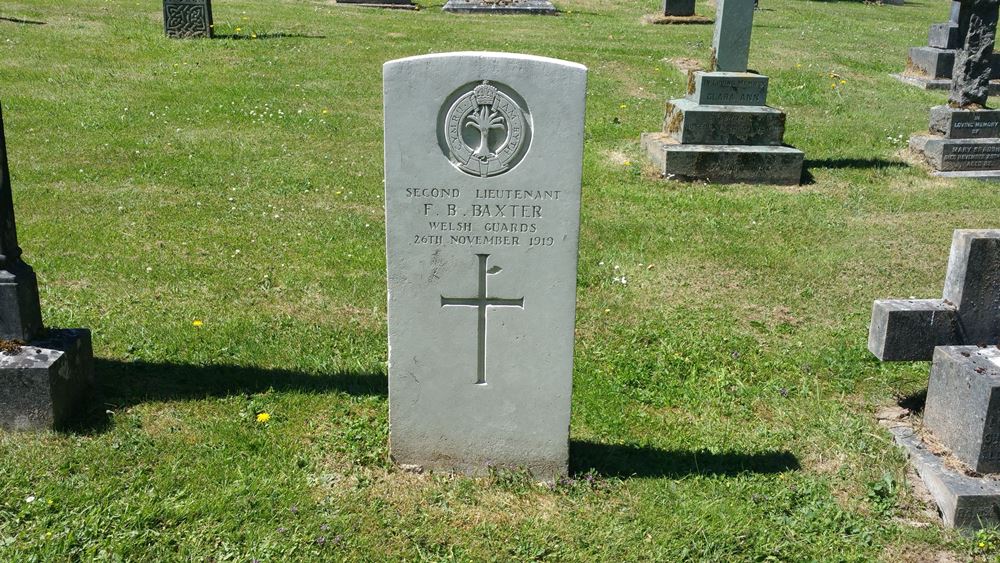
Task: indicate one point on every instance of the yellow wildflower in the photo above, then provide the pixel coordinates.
(197, 323)
(239, 29)
(263, 417)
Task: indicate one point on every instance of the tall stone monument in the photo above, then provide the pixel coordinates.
(964, 139)
(960, 333)
(723, 131)
(930, 67)
(538, 7)
(45, 374)
(483, 163)
(187, 18)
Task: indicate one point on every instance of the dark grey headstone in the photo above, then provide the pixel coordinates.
(691, 123)
(943, 36)
(537, 7)
(678, 7)
(965, 124)
(187, 18)
(977, 27)
(968, 313)
(963, 404)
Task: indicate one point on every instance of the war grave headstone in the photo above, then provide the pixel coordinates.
(723, 131)
(483, 164)
(46, 375)
(959, 333)
(537, 7)
(676, 12)
(187, 18)
(930, 67)
(964, 139)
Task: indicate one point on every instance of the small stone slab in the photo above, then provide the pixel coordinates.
(47, 383)
(936, 84)
(724, 164)
(965, 123)
(678, 7)
(944, 36)
(691, 123)
(384, 4)
(187, 18)
(963, 404)
(727, 88)
(909, 329)
(483, 168)
(535, 7)
(947, 155)
(933, 63)
(964, 501)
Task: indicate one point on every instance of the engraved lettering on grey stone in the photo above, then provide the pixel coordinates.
(482, 302)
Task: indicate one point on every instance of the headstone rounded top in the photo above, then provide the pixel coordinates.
(487, 57)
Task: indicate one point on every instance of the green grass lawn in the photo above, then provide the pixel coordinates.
(724, 400)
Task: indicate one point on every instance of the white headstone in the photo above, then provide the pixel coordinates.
(483, 162)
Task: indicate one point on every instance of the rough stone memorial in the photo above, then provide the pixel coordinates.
(483, 163)
(723, 131)
(960, 333)
(46, 375)
(187, 18)
(539, 7)
(964, 139)
(931, 67)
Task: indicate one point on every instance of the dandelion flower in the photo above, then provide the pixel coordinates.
(623, 106)
(263, 417)
(627, 163)
(239, 29)
(197, 323)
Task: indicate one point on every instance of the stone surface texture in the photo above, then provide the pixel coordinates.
(691, 123)
(483, 164)
(965, 124)
(963, 404)
(964, 501)
(967, 314)
(977, 26)
(48, 382)
(678, 7)
(727, 88)
(187, 18)
(724, 164)
(537, 7)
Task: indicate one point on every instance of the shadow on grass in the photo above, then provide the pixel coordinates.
(842, 163)
(123, 384)
(19, 20)
(241, 36)
(623, 461)
(914, 402)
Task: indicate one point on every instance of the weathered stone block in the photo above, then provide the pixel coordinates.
(731, 38)
(537, 7)
(187, 18)
(957, 154)
(944, 36)
(724, 164)
(727, 88)
(47, 382)
(678, 7)
(22, 318)
(690, 123)
(939, 63)
(909, 329)
(963, 404)
(964, 123)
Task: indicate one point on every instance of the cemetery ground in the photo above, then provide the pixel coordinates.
(212, 210)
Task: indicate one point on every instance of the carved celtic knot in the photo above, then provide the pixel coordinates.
(187, 19)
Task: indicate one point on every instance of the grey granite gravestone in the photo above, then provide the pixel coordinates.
(723, 131)
(959, 333)
(187, 18)
(483, 164)
(967, 314)
(538, 7)
(676, 12)
(678, 8)
(964, 139)
(931, 67)
(45, 375)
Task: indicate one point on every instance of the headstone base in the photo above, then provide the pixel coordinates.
(963, 501)
(47, 382)
(907, 330)
(934, 63)
(538, 7)
(387, 4)
(962, 398)
(724, 164)
(660, 19)
(691, 123)
(727, 88)
(925, 83)
(951, 155)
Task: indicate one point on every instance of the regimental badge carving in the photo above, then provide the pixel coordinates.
(487, 129)
(187, 18)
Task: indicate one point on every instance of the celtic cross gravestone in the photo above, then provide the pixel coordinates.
(483, 162)
(187, 18)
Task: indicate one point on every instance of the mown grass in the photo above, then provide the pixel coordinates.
(723, 399)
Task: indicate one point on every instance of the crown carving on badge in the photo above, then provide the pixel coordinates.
(485, 94)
